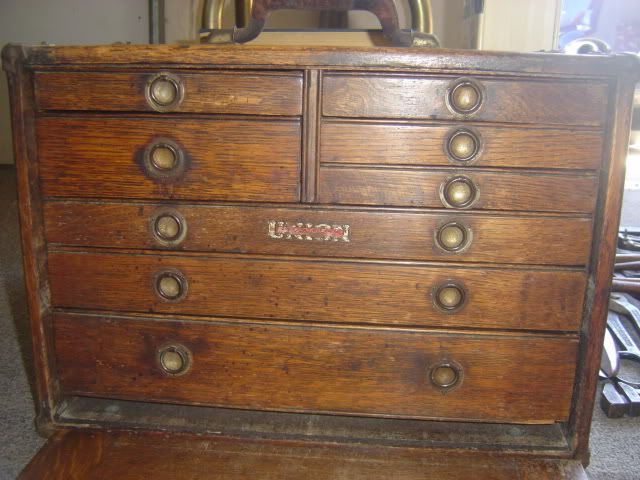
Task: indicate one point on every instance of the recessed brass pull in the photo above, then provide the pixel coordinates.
(164, 92)
(446, 375)
(168, 227)
(458, 192)
(465, 96)
(171, 285)
(453, 237)
(463, 145)
(164, 159)
(449, 297)
(174, 359)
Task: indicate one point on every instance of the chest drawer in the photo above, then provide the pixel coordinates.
(213, 92)
(415, 374)
(447, 98)
(120, 157)
(320, 291)
(340, 233)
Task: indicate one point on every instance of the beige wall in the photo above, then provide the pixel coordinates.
(66, 22)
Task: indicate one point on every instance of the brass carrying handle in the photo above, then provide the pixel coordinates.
(256, 12)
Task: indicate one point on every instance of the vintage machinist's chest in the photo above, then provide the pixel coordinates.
(316, 262)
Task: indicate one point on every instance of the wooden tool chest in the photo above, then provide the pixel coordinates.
(270, 262)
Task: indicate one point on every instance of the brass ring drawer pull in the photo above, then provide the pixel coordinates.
(453, 237)
(449, 297)
(164, 92)
(164, 159)
(465, 96)
(458, 192)
(463, 145)
(168, 227)
(174, 359)
(171, 285)
(446, 375)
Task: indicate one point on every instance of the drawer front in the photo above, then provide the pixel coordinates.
(342, 292)
(486, 190)
(222, 92)
(120, 157)
(321, 232)
(347, 142)
(312, 369)
(506, 100)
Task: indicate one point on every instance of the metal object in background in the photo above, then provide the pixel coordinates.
(619, 303)
(629, 350)
(384, 10)
(609, 362)
(156, 21)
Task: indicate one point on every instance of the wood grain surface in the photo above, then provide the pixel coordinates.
(506, 100)
(212, 92)
(523, 379)
(321, 291)
(225, 159)
(421, 188)
(105, 455)
(369, 143)
(372, 234)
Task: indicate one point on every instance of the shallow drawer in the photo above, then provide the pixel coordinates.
(215, 92)
(347, 142)
(458, 189)
(205, 159)
(478, 98)
(398, 373)
(322, 232)
(342, 292)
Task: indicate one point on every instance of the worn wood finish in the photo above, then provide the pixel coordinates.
(213, 92)
(421, 188)
(225, 159)
(419, 144)
(513, 101)
(119, 454)
(301, 368)
(320, 291)
(372, 234)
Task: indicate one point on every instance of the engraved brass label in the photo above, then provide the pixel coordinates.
(308, 231)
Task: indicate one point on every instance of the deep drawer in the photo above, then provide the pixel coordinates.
(340, 292)
(120, 157)
(294, 368)
(369, 143)
(434, 188)
(321, 232)
(215, 92)
(496, 100)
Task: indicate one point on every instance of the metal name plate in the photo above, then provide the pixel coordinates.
(308, 231)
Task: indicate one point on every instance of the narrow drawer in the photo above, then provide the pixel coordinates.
(341, 292)
(128, 157)
(360, 143)
(445, 98)
(412, 374)
(323, 232)
(458, 189)
(247, 93)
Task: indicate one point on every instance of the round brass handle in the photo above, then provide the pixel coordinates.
(463, 145)
(465, 96)
(453, 237)
(449, 297)
(171, 285)
(458, 192)
(164, 92)
(174, 359)
(168, 227)
(446, 375)
(164, 159)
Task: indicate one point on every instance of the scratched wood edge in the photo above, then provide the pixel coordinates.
(493, 63)
(603, 254)
(34, 249)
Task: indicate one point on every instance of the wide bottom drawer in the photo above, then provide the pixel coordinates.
(357, 371)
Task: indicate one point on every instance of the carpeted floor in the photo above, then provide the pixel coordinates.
(615, 446)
